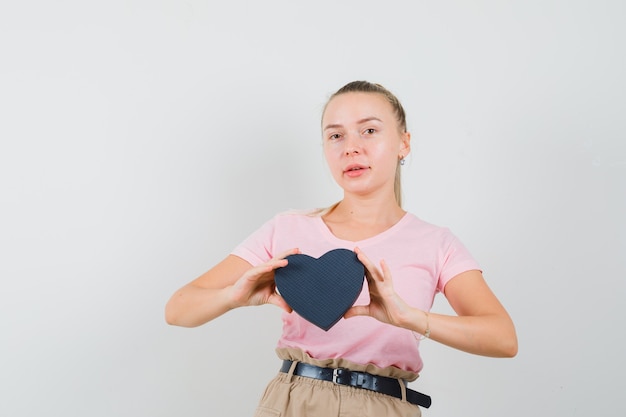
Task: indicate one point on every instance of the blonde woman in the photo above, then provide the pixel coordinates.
(362, 364)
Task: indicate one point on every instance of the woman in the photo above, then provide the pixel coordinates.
(407, 261)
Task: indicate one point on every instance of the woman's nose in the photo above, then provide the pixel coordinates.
(352, 144)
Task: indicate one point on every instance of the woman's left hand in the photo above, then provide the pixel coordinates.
(385, 304)
(482, 326)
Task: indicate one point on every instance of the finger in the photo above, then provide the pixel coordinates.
(372, 271)
(386, 271)
(357, 311)
(272, 264)
(284, 254)
(263, 272)
(257, 271)
(279, 301)
(280, 261)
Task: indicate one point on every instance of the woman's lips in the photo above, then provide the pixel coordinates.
(353, 171)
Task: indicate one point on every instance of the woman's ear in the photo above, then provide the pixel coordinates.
(405, 145)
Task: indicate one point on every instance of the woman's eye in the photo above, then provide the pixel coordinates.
(370, 131)
(334, 136)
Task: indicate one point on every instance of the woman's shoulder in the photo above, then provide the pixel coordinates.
(426, 227)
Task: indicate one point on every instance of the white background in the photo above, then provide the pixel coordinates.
(142, 140)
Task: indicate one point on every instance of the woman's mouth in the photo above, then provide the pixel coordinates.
(355, 170)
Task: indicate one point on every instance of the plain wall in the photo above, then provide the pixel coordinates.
(142, 140)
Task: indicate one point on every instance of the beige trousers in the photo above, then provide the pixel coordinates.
(290, 395)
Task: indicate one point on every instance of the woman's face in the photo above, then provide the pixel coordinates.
(363, 142)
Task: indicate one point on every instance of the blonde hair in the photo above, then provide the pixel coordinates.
(367, 87)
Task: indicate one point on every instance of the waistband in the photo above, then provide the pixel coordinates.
(384, 385)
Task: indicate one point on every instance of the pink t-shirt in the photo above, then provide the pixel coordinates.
(422, 259)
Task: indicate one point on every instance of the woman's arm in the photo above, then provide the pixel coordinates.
(482, 327)
(231, 283)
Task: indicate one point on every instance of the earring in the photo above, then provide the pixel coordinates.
(402, 161)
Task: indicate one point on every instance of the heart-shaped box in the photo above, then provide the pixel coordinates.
(321, 290)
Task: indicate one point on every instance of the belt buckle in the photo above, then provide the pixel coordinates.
(336, 375)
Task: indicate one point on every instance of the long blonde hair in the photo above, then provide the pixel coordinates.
(367, 87)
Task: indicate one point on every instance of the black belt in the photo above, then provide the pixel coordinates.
(342, 376)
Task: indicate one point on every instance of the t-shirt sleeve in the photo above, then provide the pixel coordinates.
(456, 259)
(258, 247)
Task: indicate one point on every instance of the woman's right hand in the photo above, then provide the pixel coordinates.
(229, 284)
(257, 287)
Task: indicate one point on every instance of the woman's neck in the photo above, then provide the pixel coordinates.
(357, 222)
(383, 212)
